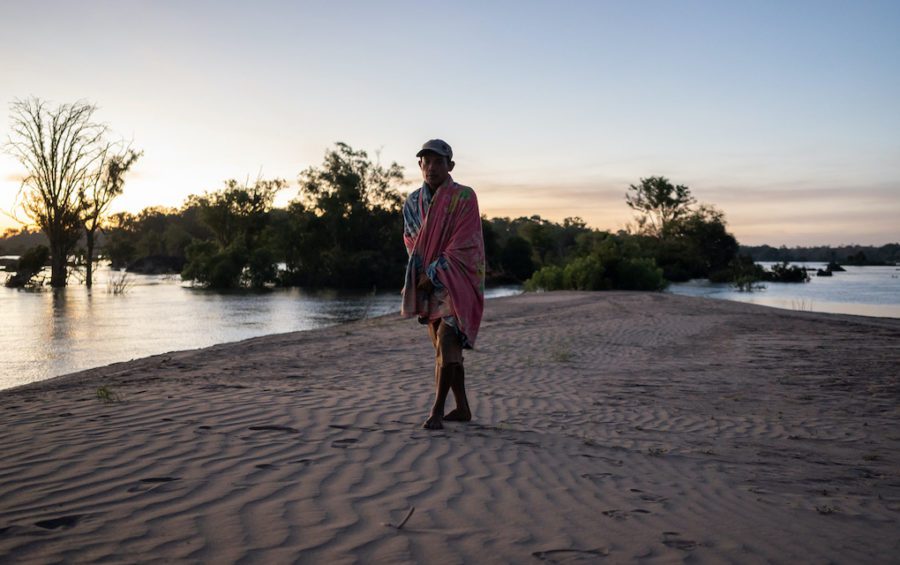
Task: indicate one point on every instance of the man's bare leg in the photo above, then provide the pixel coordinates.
(434, 421)
(461, 413)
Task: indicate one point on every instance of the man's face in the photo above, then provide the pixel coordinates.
(435, 169)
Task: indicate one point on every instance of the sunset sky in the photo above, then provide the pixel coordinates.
(785, 115)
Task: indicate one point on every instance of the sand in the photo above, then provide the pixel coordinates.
(609, 427)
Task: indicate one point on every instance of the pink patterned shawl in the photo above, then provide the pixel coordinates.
(449, 246)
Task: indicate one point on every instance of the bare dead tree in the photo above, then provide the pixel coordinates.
(102, 186)
(59, 148)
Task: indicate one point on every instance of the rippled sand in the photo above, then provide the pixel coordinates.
(609, 427)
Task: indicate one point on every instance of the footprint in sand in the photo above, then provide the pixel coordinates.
(598, 477)
(151, 483)
(361, 428)
(616, 514)
(671, 539)
(343, 443)
(570, 555)
(61, 522)
(274, 429)
(648, 496)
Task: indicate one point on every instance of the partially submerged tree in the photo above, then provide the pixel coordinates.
(59, 149)
(104, 184)
(30, 264)
(350, 209)
(659, 204)
(237, 218)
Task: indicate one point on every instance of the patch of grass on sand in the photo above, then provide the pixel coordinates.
(105, 394)
(561, 355)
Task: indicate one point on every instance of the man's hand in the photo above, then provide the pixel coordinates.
(425, 283)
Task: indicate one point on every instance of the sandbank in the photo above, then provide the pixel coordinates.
(609, 427)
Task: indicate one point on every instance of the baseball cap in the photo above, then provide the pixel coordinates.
(438, 146)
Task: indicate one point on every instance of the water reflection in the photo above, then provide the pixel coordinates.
(49, 333)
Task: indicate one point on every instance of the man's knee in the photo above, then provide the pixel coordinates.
(451, 368)
(451, 352)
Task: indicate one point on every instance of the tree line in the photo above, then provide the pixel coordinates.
(342, 229)
(888, 254)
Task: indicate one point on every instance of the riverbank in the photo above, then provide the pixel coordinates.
(628, 425)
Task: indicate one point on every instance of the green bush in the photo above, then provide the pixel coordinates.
(213, 268)
(639, 273)
(584, 273)
(548, 278)
(261, 268)
(593, 273)
(782, 272)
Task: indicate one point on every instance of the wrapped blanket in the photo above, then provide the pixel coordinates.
(444, 240)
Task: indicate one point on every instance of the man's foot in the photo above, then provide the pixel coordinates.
(459, 415)
(433, 423)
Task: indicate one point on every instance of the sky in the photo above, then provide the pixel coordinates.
(784, 115)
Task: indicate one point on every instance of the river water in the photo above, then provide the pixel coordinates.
(48, 333)
(863, 291)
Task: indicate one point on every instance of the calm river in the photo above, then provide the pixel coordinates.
(48, 333)
(864, 291)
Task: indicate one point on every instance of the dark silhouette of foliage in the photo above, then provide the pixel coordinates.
(697, 245)
(491, 249)
(30, 264)
(888, 254)
(101, 187)
(154, 240)
(515, 258)
(784, 272)
(17, 242)
(214, 267)
(605, 262)
(746, 275)
(349, 212)
(237, 217)
(659, 204)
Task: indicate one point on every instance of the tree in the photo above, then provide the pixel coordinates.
(103, 185)
(237, 217)
(348, 181)
(659, 203)
(515, 258)
(351, 210)
(239, 212)
(705, 229)
(59, 149)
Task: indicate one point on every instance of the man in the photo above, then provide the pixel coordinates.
(444, 285)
